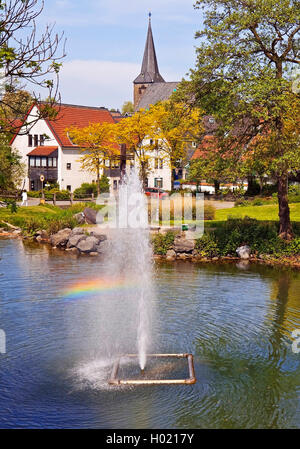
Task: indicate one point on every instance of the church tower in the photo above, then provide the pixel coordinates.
(149, 72)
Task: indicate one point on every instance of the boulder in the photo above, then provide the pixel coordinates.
(99, 236)
(72, 250)
(74, 240)
(61, 238)
(171, 255)
(92, 216)
(80, 218)
(184, 245)
(78, 231)
(244, 252)
(103, 247)
(88, 245)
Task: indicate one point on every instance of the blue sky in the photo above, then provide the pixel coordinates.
(105, 44)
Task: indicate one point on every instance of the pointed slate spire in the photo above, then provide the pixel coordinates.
(149, 72)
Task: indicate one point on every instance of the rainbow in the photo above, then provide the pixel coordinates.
(86, 289)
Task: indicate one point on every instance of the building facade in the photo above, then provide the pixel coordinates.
(48, 150)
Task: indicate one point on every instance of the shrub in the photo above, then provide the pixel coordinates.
(163, 242)
(207, 246)
(260, 236)
(241, 202)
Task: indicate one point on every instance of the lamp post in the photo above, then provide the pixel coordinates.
(159, 184)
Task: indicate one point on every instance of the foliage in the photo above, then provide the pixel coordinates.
(206, 246)
(133, 132)
(11, 167)
(127, 107)
(96, 145)
(12, 205)
(242, 77)
(163, 242)
(176, 126)
(85, 189)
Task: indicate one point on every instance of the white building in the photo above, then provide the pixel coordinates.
(48, 150)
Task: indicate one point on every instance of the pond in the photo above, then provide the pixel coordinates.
(236, 321)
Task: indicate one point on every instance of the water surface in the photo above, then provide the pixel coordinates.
(237, 321)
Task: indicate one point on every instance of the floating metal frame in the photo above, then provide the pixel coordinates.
(190, 381)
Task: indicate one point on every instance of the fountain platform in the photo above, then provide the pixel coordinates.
(116, 381)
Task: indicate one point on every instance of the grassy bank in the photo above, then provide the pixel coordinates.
(48, 217)
(267, 212)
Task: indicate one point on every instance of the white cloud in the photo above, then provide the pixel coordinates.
(101, 83)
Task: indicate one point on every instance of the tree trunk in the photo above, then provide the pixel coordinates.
(98, 180)
(143, 174)
(217, 186)
(285, 226)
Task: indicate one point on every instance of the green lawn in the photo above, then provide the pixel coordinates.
(268, 212)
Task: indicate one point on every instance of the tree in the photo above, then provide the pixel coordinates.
(16, 104)
(176, 126)
(96, 146)
(11, 167)
(127, 107)
(26, 57)
(242, 76)
(136, 133)
(209, 164)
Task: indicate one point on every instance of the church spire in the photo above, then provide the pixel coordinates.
(149, 72)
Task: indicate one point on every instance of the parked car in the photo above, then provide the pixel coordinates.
(152, 192)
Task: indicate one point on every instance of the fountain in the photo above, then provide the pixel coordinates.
(131, 259)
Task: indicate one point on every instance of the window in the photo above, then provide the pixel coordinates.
(151, 141)
(30, 140)
(42, 139)
(31, 185)
(69, 165)
(115, 164)
(50, 162)
(31, 161)
(115, 184)
(211, 120)
(69, 188)
(54, 162)
(44, 162)
(194, 144)
(161, 163)
(36, 140)
(107, 163)
(158, 182)
(156, 163)
(37, 161)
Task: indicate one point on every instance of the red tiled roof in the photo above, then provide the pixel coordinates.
(42, 151)
(72, 115)
(81, 116)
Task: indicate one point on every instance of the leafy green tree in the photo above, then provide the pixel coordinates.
(127, 107)
(11, 167)
(242, 76)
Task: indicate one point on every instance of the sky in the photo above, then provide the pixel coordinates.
(106, 40)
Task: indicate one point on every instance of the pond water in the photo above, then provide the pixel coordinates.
(236, 320)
